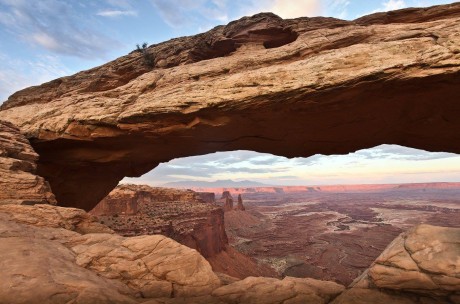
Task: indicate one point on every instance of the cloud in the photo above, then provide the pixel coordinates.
(116, 13)
(56, 26)
(336, 8)
(18, 74)
(392, 5)
(396, 152)
(299, 8)
(180, 13)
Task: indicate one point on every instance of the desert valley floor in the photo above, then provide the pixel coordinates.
(329, 233)
(334, 236)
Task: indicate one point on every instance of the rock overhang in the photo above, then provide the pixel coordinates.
(335, 87)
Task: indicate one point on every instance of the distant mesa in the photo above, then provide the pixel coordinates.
(226, 200)
(207, 197)
(226, 194)
(218, 183)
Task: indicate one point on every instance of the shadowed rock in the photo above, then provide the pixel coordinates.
(240, 205)
(294, 88)
(228, 206)
(18, 182)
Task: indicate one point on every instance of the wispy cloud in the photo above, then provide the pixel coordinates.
(56, 26)
(391, 5)
(384, 163)
(396, 152)
(180, 13)
(116, 13)
(300, 8)
(16, 74)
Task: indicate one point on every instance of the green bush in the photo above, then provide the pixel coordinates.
(149, 59)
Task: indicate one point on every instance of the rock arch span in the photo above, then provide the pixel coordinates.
(287, 87)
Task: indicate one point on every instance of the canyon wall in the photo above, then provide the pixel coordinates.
(178, 214)
(181, 215)
(294, 88)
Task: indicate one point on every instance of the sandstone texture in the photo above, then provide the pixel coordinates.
(182, 215)
(228, 205)
(240, 205)
(259, 290)
(179, 214)
(293, 87)
(18, 182)
(47, 257)
(420, 266)
(61, 255)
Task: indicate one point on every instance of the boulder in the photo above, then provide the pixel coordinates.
(421, 265)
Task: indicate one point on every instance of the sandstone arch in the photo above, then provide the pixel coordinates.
(324, 86)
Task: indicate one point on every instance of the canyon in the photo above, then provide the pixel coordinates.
(184, 216)
(295, 88)
(335, 232)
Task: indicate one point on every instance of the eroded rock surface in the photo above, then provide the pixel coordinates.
(48, 258)
(178, 214)
(182, 215)
(261, 290)
(18, 182)
(420, 266)
(240, 205)
(289, 87)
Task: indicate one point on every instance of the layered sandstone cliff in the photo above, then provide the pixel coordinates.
(181, 215)
(19, 183)
(293, 87)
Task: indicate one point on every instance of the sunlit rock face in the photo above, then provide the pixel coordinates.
(18, 182)
(178, 214)
(183, 215)
(53, 254)
(419, 266)
(62, 255)
(288, 87)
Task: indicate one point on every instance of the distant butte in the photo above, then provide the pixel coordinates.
(293, 87)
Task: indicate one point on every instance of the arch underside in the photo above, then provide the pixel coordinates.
(82, 173)
(337, 88)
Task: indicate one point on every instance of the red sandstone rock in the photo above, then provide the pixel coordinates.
(18, 182)
(226, 194)
(48, 258)
(179, 214)
(240, 205)
(293, 87)
(208, 197)
(228, 206)
(419, 266)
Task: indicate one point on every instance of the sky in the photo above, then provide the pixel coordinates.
(45, 39)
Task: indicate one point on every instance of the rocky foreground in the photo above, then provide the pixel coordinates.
(63, 255)
(190, 218)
